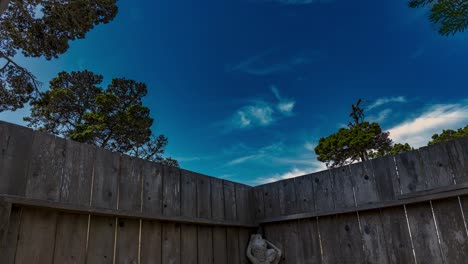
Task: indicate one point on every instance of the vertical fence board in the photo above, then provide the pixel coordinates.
(342, 187)
(350, 238)
(127, 241)
(287, 197)
(77, 173)
(106, 174)
(292, 251)
(436, 166)
(230, 211)
(410, 167)
(232, 245)
(375, 247)
(152, 188)
(15, 153)
(5, 212)
(8, 248)
(70, 241)
(452, 231)
(259, 203)
(364, 182)
(243, 203)
(330, 239)
(151, 242)
(171, 243)
(424, 233)
(37, 236)
(275, 234)
(397, 235)
(244, 238)
(219, 245)
(205, 244)
(458, 153)
(304, 194)
(323, 191)
(130, 183)
(386, 178)
(171, 207)
(101, 240)
(46, 167)
(271, 199)
(308, 242)
(189, 244)
(203, 197)
(217, 199)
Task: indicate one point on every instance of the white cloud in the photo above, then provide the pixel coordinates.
(265, 153)
(262, 113)
(386, 100)
(381, 116)
(310, 146)
(294, 172)
(418, 131)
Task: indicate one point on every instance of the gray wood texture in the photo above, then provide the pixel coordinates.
(217, 199)
(436, 166)
(5, 211)
(287, 197)
(15, 153)
(189, 244)
(101, 240)
(230, 209)
(130, 176)
(106, 179)
(243, 204)
(151, 242)
(152, 188)
(205, 244)
(323, 191)
(458, 156)
(275, 233)
(232, 246)
(171, 243)
(304, 194)
(271, 199)
(244, 238)
(128, 231)
(70, 239)
(351, 248)
(397, 238)
(219, 245)
(171, 191)
(386, 178)
(8, 248)
(365, 186)
(46, 167)
(259, 203)
(343, 183)
(373, 238)
(308, 241)
(423, 232)
(36, 238)
(203, 197)
(292, 251)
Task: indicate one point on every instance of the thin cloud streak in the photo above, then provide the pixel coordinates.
(386, 100)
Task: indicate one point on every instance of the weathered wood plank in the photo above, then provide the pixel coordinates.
(271, 199)
(106, 178)
(232, 245)
(188, 193)
(171, 243)
(396, 234)
(203, 197)
(308, 243)
(276, 235)
(8, 248)
(70, 241)
(410, 170)
(287, 197)
(458, 156)
(373, 237)
(292, 251)
(453, 237)
(171, 191)
(46, 167)
(130, 175)
(5, 211)
(364, 182)
(101, 240)
(151, 242)
(436, 166)
(323, 191)
(258, 203)
(230, 211)
(386, 178)
(219, 245)
(343, 183)
(351, 249)
(152, 188)
(244, 238)
(36, 239)
(217, 199)
(304, 194)
(205, 244)
(15, 153)
(424, 233)
(243, 204)
(128, 233)
(77, 173)
(189, 244)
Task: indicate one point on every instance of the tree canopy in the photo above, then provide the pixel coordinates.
(360, 141)
(450, 16)
(449, 134)
(41, 29)
(76, 107)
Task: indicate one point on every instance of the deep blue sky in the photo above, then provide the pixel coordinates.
(245, 88)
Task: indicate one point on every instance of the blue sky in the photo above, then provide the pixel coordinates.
(244, 89)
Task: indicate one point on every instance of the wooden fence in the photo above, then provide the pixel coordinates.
(65, 202)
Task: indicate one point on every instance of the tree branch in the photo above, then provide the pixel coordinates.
(31, 76)
(3, 6)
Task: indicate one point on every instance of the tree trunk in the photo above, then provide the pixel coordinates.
(3, 6)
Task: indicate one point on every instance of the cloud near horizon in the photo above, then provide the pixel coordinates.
(418, 131)
(262, 113)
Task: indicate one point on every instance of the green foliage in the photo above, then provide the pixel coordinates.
(449, 134)
(41, 28)
(76, 107)
(360, 141)
(450, 16)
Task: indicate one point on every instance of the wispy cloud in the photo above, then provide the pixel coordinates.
(294, 172)
(264, 153)
(381, 116)
(266, 63)
(261, 113)
(387, 100)
(418, 130)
